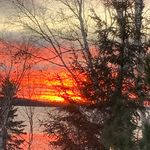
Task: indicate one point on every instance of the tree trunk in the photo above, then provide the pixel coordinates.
(3, 133)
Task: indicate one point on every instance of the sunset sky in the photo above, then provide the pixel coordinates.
(42, 78)
(37, 83)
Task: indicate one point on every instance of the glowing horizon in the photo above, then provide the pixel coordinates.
(46, 88)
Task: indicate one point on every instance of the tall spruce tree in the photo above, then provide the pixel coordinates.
(11, 129)
(121, 46)
(145, 141)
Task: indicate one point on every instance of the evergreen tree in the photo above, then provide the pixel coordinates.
(122, 47)
(145, 141)
(75, 128)
(11, 129)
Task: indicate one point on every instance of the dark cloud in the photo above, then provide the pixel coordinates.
(8, 12)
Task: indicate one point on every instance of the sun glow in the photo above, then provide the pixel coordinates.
(49, 87)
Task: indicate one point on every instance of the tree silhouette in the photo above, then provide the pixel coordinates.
(11, 129)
